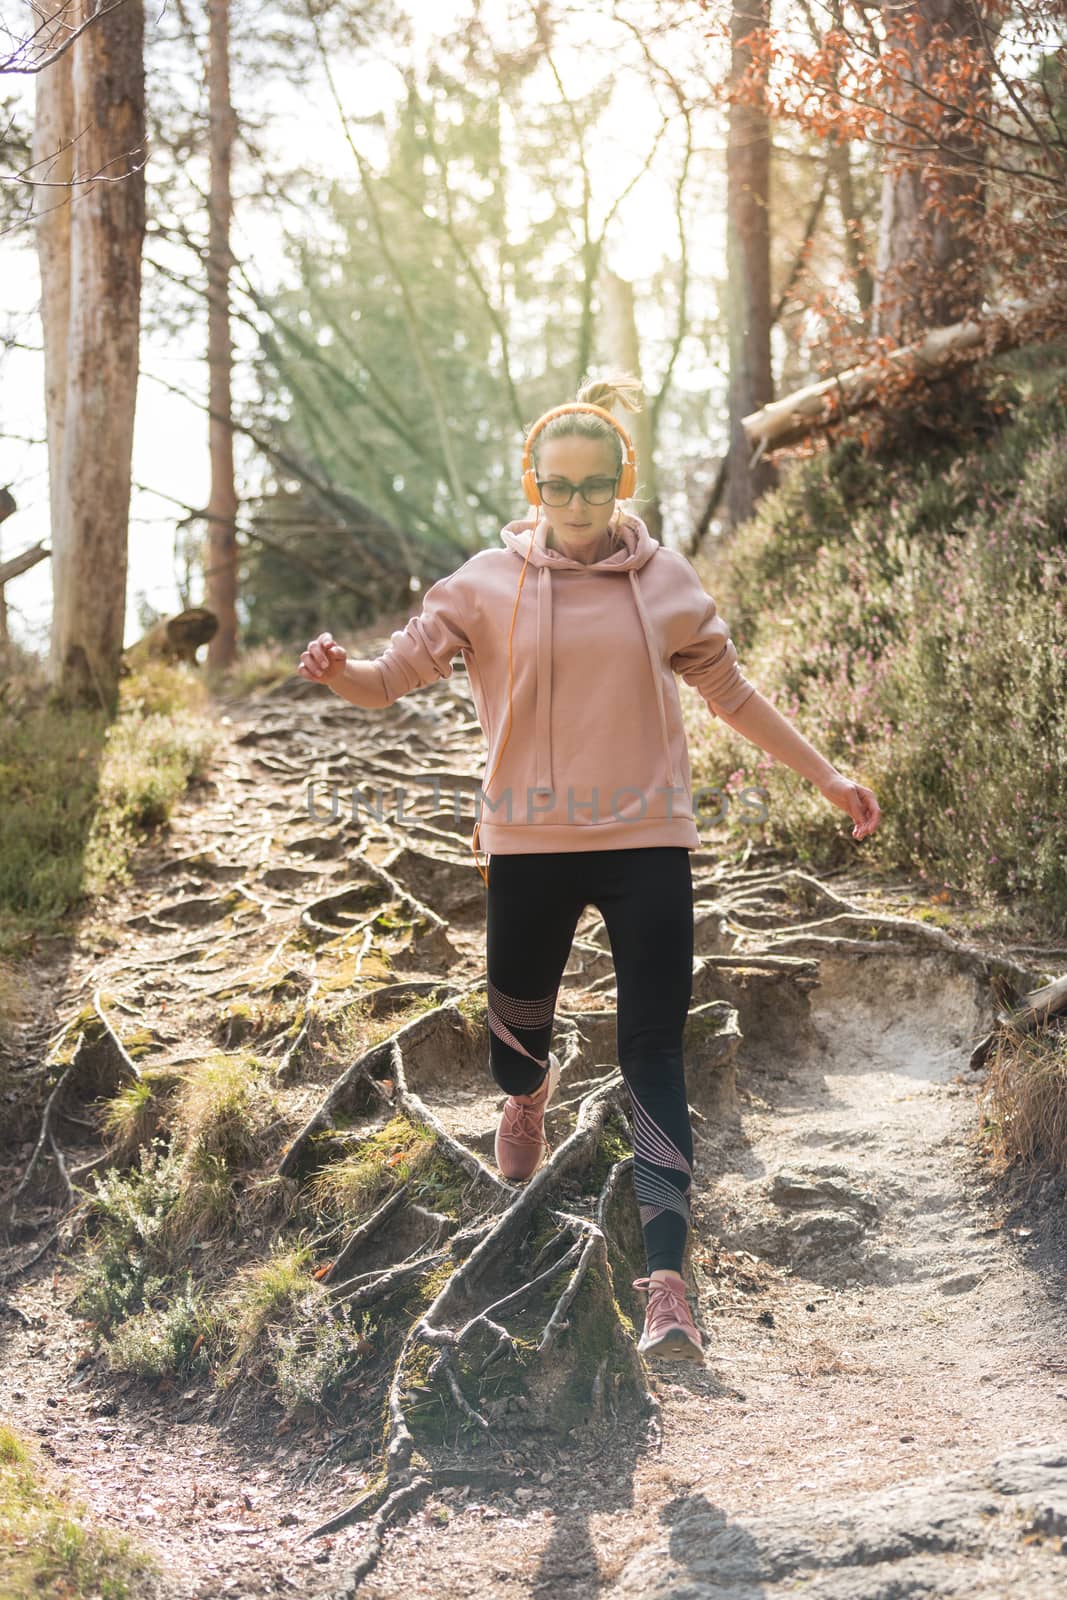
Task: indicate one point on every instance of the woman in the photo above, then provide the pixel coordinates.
(593, 806)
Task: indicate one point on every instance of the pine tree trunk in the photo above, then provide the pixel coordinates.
(106, 234)
(928, 272)
(221, 576)
(52, 154)
(748, 253)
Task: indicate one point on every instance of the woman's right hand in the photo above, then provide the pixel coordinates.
(324, 660)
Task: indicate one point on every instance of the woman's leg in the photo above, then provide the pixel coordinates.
(646, 899)
(532, 909)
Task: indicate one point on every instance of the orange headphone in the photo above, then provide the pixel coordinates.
(627, 484)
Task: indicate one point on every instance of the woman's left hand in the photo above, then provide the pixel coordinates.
(857, 800)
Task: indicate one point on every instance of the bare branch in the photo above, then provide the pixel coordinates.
(11, 66)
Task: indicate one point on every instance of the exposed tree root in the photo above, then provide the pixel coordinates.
(474, 1305)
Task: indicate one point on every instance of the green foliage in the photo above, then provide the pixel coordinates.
(381, 1162)
(129, 1117)
(222, 1115)
(129, 1258)
(266, 1292)
(157, 1342)
(277, 1323)
(49, 1546)
(77, 792)
(223, 1104)
(314, 1356)
(339, 362)
(910, 616)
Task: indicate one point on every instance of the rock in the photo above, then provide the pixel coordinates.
(980, 1535)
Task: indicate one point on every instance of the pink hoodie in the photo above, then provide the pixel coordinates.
(597, 756)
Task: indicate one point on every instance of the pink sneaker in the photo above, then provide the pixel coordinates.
(669, 1331)
(521, 1146)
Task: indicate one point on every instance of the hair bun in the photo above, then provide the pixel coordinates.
(614, 388)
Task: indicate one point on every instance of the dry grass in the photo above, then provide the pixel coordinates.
(1023, 1101)
(354, 1185)
(223, 1116)
(48, 1546)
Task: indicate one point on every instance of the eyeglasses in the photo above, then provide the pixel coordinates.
(560, 491)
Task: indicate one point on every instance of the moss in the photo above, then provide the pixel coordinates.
(940, 919)
(598, 1327)
(442, 1186)
(708, 1021)
(140, 1043)
(474, 1006)
(611, 1147)
(426, 1410)
(238, 1008)
(393, 922)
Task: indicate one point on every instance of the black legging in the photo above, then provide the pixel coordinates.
(645, 896)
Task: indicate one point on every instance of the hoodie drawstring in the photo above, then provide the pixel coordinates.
(543, 725)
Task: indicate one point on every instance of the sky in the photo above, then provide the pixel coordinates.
(170, 441)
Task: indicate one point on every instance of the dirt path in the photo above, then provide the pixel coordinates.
(877, 1316)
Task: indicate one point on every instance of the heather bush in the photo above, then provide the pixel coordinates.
(910, 615)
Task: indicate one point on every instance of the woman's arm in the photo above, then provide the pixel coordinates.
(358, 682)
(417, 654)
(758, 720)
(761, 722)
(361, 685)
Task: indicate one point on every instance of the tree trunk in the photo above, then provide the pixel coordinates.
(928, 272)
(221, 576)
(622, 349)
(748, 257)
(174, 638)
(839, 157)
(53, 132)
(106, 234)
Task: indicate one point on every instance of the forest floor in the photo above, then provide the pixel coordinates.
(883, 1407)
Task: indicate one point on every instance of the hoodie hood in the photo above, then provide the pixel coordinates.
(636, 547)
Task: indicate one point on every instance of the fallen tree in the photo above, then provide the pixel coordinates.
(884, 381)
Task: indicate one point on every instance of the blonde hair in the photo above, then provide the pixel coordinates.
(614, 388)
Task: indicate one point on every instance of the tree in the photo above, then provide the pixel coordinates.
(966, 116)
(220, 576)
(928, 271)
(93, 432)
(52, 157)
(748, 249)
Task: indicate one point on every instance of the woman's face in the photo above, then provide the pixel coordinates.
(579, 526)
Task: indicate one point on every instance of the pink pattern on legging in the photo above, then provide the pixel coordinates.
(653, 1148)
(526, 1014)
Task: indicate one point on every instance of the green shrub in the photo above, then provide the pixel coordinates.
(160, 1341)
(910, 617)
(49, 1545)
(77, 791)
(129, 1258)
